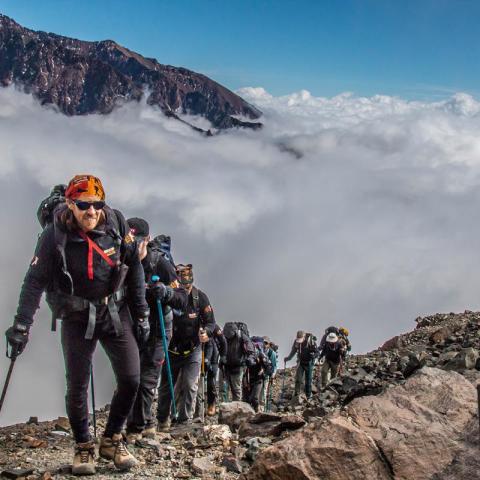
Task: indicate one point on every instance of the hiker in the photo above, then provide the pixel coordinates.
(240, 354)
(269, 378)
(215, 353)
(305, 348)
(256, 374)
(343, 334)
(141, 422)
(328, 330)
(88, 265)
(333, 352)
(192, 328)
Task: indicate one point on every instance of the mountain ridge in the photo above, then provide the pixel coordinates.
(84, 77)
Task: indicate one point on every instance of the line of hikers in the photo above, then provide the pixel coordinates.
(333, 349)
(110, 282)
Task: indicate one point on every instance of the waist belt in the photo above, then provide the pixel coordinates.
(184, 353)
(65, 304)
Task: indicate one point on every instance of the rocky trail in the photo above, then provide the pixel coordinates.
(407, 410)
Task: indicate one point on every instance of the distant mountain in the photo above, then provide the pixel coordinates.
(92, 77)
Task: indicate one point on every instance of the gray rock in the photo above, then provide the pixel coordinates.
(234, 413)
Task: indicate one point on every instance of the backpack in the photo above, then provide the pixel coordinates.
(161, 246)
(239, 345)
(309, 349)
(46, 209)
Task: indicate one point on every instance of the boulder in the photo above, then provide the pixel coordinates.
(409, 431)
(392, 344)
(464, 360)
(440, 335)
(321, 451)
(234, 413)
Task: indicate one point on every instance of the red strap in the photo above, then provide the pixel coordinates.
(91, 247)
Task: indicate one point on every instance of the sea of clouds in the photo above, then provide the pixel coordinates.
(345, 210)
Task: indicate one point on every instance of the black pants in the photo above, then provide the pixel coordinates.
(212, 383)
(123, 353)
(151, 360)
(255, 391)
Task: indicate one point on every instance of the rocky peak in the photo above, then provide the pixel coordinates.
(82, 77)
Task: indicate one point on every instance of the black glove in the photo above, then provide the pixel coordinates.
(161, 292)
(142, 330)
(17, 337)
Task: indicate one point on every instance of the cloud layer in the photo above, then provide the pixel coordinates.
(351, 210)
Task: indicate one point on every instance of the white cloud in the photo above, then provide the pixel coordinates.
(344, 209)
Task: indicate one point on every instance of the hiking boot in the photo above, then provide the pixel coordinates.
(132, 437)
(149, 432)
(115, 449)
(84, 459)
(211, 410)
(163, 426)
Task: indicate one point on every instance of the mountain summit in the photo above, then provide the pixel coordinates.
(82, 77)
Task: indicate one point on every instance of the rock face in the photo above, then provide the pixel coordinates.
(93, 77)
(411, 431)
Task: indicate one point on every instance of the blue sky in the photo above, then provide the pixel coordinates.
(423, 49)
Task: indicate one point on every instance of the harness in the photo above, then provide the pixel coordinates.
(62, 303)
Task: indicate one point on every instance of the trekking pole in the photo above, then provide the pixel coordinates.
(202, 380)
(92, 388)
(12, 356)
(263, 396)
(283, 380)
(155, 279)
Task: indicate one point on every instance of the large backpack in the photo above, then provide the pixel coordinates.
(46, 209)
(239, 345)
(161, 246)
(309, 349)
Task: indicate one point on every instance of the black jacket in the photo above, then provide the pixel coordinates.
(159, 266)
(46, 273)
(333, 352)
(186, 326)
(216, 347)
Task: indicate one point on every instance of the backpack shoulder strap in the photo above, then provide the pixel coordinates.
(196, 299)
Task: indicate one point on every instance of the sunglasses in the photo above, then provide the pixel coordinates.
(86, 205)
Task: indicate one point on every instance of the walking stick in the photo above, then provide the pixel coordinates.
(283, 380)
(92, 388)
(12, 356)
(155, 279)
(202, 380)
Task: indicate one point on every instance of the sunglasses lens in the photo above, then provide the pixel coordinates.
(86, 205)
(82, 205)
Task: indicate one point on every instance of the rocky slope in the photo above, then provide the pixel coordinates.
(407, 410)
(93, 77)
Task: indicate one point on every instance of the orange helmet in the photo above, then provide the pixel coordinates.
(344, 331)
